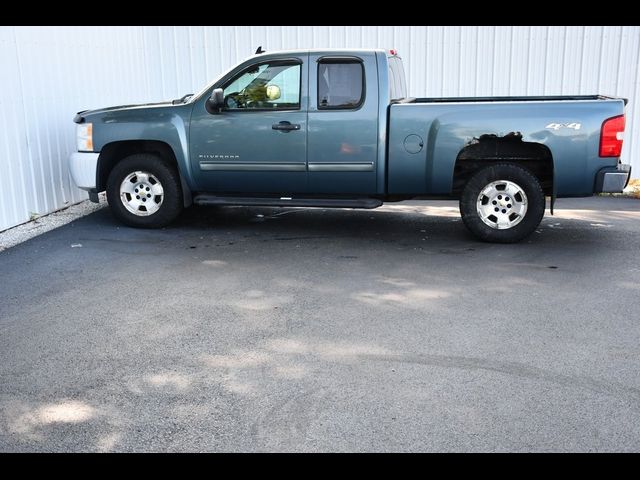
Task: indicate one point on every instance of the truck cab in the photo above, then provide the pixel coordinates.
(314, 115)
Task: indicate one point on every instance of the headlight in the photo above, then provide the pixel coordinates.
(84, 137)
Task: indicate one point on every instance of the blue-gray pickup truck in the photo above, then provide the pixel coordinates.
(336, 128)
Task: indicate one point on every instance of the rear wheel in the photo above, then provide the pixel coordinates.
(502, 203)
(144, 191)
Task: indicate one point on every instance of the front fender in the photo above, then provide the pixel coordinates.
(169, 125)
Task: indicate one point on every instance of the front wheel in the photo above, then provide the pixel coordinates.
(144, 191)
(502, 203)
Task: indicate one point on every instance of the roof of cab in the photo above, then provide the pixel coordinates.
(328, 51)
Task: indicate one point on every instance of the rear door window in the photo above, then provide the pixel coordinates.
(340, 84)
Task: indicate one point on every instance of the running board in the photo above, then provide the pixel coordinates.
(288, 202)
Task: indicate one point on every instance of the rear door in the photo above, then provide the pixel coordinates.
(343, 124)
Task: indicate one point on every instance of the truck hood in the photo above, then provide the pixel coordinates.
(79, 118)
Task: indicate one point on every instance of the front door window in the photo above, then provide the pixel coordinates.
(269, 86)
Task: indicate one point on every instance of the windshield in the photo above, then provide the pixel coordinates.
(209, 85)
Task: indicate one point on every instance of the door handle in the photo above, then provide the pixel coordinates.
(285, 126)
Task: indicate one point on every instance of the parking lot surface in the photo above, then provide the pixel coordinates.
(259, 329)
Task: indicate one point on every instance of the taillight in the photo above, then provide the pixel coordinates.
(611, 137)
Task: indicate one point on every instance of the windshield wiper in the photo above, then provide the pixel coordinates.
(182, 99)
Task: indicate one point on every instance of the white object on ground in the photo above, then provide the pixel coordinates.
(33, 228)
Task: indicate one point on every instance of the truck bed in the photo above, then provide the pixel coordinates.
(427, 135)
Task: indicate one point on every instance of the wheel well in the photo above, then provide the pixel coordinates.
(113, 152)
(491, 149)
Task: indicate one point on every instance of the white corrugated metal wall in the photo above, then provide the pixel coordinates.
(49, 73)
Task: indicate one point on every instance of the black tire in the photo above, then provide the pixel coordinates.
(513, 173)
(171, 205)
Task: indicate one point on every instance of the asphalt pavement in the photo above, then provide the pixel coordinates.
(260, 329)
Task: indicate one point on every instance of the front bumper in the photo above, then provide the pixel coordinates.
(613, 179)
(83, 167)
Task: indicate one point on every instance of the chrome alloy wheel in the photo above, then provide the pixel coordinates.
(502, 204)
(141, 193)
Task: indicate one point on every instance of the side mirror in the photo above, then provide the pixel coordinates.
(273, 92)
(215, 102)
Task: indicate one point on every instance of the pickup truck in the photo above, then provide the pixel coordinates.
(336, 128)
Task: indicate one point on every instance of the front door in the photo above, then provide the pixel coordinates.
(258, 142)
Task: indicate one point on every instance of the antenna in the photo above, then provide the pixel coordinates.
(259, 50)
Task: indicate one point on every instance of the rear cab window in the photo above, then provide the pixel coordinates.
(397, 81)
